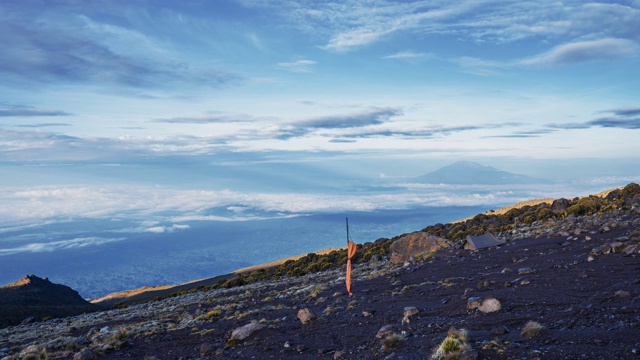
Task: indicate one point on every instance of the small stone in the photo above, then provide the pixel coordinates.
(207, 349)
(306, 316)
(375, 260)
(339, 355)
(29, 320)
(617, 246)
(469, 355)
(474, 302)
(630, 249)
(386, 330)
(410, 310)
(368, 313)
(500, 330)
(301, 348)
(85, 354)
(525, 271)
(601, 250)
(622, 294)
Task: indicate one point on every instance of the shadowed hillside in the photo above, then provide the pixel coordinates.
(38, 298)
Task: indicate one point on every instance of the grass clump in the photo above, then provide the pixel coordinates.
(392, 341)
(215, 313)
(232, 343)
(118, 339)
(453, 345)
(532, 329)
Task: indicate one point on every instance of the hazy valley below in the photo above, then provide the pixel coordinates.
(205, 249)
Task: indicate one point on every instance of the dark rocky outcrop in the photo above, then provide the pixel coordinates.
(39, 298)
(560, 205)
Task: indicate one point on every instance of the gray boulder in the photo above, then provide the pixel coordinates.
(416, 244)
(245, 331)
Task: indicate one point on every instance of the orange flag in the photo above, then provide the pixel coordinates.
(351, 250)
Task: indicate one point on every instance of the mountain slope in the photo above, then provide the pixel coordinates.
(469, 172)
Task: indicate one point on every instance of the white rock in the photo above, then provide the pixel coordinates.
(490, 305)
(245, 331)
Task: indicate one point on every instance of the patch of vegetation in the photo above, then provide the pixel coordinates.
(453, 345)
(232, 343)
(215, 313)
(532, 329)
(392, 341)
(118, 339)
(624, 199)
(38, 354)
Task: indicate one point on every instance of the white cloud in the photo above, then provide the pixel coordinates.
(408, 55)
(143, 203)
(478, 66)
(584, 51)
(58, 245)
(298, 66)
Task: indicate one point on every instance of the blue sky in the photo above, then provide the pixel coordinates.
(163, 110)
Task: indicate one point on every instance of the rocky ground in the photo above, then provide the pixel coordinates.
(578, 279)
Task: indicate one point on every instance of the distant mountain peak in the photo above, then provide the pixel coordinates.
(468, 172)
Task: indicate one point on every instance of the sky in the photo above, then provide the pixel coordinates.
(175, 111)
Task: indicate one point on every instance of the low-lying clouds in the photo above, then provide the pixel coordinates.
(58, 245)
(173, 206)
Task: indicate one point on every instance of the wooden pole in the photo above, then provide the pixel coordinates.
(347, 219)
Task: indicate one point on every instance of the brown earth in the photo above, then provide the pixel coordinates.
(558, 273)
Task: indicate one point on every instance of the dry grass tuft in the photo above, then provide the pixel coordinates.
(453, 345)
(392, 341)
(531, 329)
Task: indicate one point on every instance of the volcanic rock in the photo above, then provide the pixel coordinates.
(560, 205)
(306, 316)
(245, 331)
(415, 244)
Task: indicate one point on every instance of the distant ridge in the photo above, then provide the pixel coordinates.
(471, 173)
(38, 298)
